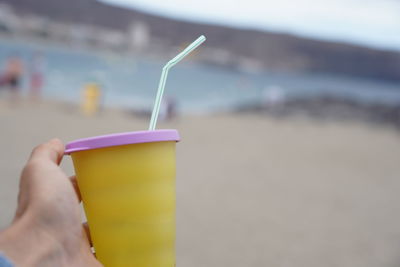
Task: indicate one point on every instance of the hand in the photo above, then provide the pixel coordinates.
(47, 228)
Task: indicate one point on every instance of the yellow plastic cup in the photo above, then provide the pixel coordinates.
(127, 183)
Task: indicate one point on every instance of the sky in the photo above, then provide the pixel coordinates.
(373, 23)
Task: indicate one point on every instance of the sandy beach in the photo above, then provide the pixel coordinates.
(251, 190)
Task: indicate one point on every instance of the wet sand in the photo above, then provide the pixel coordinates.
(251, 190)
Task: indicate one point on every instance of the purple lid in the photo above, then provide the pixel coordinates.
(121, 139)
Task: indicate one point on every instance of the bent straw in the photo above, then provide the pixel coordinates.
(163, 79)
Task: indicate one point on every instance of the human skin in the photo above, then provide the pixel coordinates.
(47, 228)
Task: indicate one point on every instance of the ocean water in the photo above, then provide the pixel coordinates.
(131, 82)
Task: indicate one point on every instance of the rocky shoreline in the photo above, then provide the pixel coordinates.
(329, 108)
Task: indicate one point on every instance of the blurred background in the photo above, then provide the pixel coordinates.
(289, 115)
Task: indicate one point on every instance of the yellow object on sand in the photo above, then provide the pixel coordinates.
(91, 99)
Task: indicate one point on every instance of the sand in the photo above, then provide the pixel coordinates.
(251, 190)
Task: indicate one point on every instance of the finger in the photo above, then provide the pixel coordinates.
(86, 228)
(50, 152)
(76, 188)
(53, 150)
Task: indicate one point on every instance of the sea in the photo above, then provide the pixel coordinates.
(131, 81)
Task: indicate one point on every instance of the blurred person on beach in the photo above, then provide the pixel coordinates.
(12, 76)
(273, 98)
(168, 109)
(36, 75)
(171, 108)
(47, 229)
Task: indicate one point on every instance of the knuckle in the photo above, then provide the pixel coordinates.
(39, 149)
(31, 167)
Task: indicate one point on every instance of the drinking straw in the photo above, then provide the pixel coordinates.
(163, 79)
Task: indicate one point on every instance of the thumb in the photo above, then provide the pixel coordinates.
(52, 151)
(44, 157)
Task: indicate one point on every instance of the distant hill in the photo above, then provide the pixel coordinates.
(275, 51)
